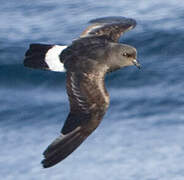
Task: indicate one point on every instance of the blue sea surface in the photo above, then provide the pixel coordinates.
(141, 136)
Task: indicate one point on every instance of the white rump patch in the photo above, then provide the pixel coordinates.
(52, 58)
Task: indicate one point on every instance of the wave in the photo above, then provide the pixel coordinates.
(16, 75)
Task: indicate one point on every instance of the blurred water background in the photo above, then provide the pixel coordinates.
(142, 134)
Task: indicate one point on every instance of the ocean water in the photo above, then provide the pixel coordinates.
(142, 134)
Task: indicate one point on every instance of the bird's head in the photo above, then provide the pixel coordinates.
(122, 55)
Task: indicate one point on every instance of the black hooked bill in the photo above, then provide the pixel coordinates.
(137, 64)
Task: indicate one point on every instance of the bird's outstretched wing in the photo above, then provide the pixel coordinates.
(88, 103)
(111, 27)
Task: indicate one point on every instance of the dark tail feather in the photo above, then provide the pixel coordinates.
(44, 56)
(62, 147)
(35, 56)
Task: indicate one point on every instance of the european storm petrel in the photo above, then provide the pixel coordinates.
(86, 61)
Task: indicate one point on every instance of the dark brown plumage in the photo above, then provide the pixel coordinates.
(87, 60)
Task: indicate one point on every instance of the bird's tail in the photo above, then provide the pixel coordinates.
(43, 56)
(61, 147)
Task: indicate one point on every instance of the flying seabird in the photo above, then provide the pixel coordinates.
(86, 61)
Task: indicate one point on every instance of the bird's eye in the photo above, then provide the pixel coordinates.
(125, 54)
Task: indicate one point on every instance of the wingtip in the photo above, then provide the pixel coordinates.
(114, 19)
(44, 164)
(61, 147)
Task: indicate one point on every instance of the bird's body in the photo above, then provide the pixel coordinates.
(86, 60)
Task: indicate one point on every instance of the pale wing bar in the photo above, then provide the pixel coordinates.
(87, 97)
(112, 27)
